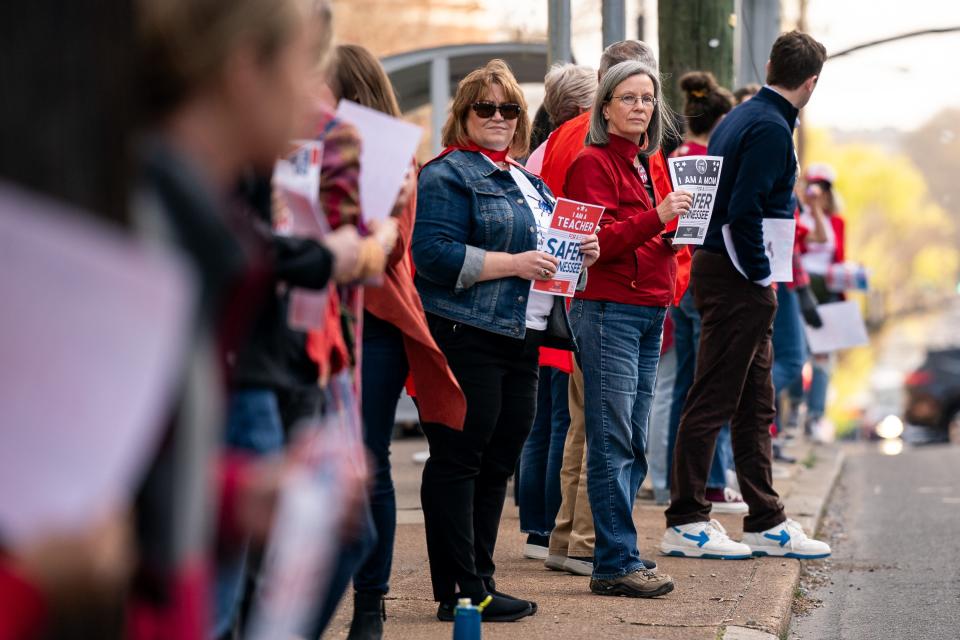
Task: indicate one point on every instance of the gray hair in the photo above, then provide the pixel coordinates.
(599, 134)
(627, 50)
(568, 88)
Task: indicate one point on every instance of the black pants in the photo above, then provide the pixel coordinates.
(465, 478)
(732, 383)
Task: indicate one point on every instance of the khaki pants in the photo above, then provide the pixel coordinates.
(573, 534)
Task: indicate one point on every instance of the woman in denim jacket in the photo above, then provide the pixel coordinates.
(474, 246)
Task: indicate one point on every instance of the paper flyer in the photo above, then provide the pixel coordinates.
(300, 554)
(571, 222)
(296, 180)
(699, 175)
(843, 328)
(94, 330)
(778, 239)
(386, 155)
(308, 308)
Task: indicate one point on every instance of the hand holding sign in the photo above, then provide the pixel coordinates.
(535, 265)
(570, 242)
(590, 249)
(674, 205)
(698, 176)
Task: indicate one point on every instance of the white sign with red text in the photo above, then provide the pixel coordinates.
(572, 222)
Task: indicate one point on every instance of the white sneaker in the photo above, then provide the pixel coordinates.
(732, 503)
(787, 540)
(702, 540)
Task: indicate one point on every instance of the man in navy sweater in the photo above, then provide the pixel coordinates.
(732, 278)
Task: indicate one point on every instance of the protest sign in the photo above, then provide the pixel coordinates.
(308, 308)
(387, 148)
(296, 180)
(698, 175)
(300, 554)
(843, 328)
(93, 335)
(570, 224)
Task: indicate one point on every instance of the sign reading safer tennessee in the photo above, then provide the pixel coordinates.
(571, 223)
(698, 175)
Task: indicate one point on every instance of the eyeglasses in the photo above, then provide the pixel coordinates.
(631, 100)
(509, 110)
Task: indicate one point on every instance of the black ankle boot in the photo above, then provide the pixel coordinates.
(369, 612)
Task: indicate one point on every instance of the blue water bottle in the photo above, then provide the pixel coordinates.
(466, 620)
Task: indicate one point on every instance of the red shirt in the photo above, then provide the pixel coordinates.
(636, 265)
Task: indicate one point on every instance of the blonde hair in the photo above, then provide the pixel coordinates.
(471, 89)
(184, 44)
(568, 88)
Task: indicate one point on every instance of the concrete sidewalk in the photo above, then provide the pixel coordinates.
(736, 600)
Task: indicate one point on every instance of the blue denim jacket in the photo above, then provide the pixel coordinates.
(466, 206)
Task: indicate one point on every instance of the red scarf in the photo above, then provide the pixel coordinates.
(496, 156)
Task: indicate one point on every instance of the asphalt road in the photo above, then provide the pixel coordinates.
(895, 572)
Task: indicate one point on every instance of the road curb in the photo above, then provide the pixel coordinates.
(746, 633)
(807, 504)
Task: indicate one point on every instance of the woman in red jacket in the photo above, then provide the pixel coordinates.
(618, 318)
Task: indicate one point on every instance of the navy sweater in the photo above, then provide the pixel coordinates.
(759, 172)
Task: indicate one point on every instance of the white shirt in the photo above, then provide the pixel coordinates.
(539, 304)
(819, 255)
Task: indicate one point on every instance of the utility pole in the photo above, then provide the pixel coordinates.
(695, 35)
(558, 19)
(801, 130)
(614, 21)
(758, 25)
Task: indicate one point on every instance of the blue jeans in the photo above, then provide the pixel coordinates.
(369, 558)
(686, 336)
(253, 425)
(619, 353)
(660, 425)
(542, 456)
(789, 343)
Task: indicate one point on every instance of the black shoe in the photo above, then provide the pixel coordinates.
(498, 609)
(369, 612)
(491, 586)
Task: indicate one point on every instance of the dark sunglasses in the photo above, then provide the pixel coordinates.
(509, 110)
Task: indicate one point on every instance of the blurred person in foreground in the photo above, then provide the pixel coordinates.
(396, 341)
(569, 91)
(67, 583)
(225, 89)
(475, 248)
(737, 306)
(618, 318)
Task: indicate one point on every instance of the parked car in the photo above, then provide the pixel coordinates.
(933, 394)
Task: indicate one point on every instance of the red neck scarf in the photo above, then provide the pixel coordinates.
(496, 156)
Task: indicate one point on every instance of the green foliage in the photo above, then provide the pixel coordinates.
(894, 225)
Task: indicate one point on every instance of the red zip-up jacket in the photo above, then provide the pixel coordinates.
(636, 265)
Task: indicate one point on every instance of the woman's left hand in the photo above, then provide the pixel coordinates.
(590, 249)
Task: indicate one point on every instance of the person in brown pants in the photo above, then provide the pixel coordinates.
(750, 232)
(572, 539)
